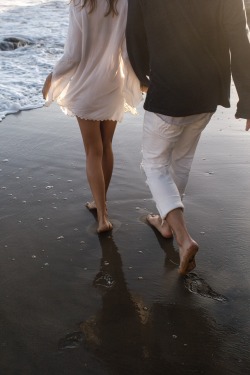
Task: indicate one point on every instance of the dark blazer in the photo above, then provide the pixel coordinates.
(186, 51)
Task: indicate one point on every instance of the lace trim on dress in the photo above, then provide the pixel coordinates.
(127, 108)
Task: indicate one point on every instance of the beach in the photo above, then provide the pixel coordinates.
(74, 302)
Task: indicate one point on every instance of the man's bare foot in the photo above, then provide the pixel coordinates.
(162, 227)
(91, 205)
(104, 226)
(187, 257)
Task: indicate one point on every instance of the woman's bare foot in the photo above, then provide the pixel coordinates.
(91, 205)
(161, 226)
(187, 256)
(104, 226)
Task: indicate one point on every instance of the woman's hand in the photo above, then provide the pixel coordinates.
(46, 86)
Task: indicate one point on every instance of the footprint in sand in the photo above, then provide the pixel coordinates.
(103, 280)
(197, 285)
(71, 341)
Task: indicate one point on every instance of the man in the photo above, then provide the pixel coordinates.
(184, 52)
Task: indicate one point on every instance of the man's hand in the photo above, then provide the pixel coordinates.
(248, 125)
(47, 85)
(144, 89)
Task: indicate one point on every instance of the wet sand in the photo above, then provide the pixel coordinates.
(73, 302)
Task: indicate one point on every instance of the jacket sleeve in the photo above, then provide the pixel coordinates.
(137, 42)
(235, 24)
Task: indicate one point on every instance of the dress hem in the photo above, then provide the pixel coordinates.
(127, 108)
(70, 113)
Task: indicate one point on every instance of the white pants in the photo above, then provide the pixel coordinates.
(168, 152)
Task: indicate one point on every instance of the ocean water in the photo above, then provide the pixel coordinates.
(32, 34)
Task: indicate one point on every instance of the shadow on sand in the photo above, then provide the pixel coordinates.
(128, 337)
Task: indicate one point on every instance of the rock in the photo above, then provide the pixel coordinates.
(12, 43)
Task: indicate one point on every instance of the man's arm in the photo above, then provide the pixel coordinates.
(137, 42)
(248, 125)
(234, 20)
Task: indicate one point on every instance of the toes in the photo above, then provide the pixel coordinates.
(156, 222)
(105, 228)
(191, 265)
(91, 205)
(151, 217)
(187, 266)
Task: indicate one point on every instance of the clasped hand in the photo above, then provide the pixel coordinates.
(46, 86)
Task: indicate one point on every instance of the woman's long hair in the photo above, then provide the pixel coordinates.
(112, 9)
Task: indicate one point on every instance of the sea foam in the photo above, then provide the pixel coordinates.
(32, 39)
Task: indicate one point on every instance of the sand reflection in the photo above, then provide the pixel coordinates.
(128, 337)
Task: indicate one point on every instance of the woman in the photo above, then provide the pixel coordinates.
(94, 81)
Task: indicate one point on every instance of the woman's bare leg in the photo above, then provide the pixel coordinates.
(107, 133)
(92, 139)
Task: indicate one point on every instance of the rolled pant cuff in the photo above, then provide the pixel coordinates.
(164, 212)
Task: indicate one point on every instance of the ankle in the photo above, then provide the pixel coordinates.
(183, 238)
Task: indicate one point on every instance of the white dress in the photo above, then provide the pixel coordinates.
(94, 79)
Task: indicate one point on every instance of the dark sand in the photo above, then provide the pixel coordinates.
(115, 304)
